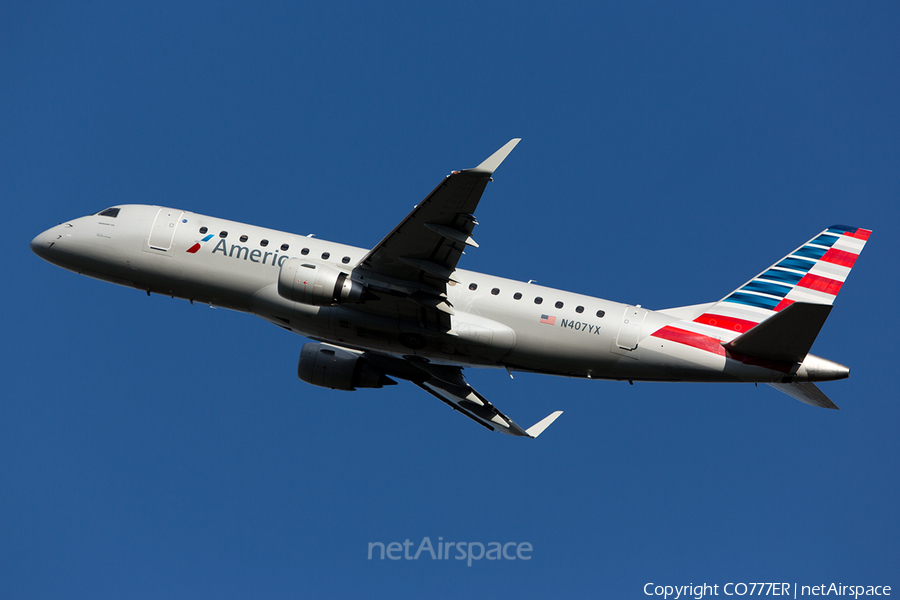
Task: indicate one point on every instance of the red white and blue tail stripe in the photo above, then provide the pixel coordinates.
(813, 274)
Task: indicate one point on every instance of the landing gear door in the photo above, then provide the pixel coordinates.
(163, 230)
(630, 327)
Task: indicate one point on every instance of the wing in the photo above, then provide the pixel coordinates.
(447, 384)
(409, 271)
(469, 402)
(412, 266)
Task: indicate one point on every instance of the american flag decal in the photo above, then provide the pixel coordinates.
(548, 319)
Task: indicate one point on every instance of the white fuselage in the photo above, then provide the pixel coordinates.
(497, 322)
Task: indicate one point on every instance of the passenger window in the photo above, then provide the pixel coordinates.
(559, 305)
(517, 296)
(284, 247)
(495, 291)
(223, 234)
(110, 212)
(345, 260)
(263, 243)
(579, 309)
(600, 314)
(203, 230)
(538, 300)
(326, 255)
(243, 238)
(473, 286)
(305, 251)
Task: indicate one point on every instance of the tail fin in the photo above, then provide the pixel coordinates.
(776, 316)
(812, 275)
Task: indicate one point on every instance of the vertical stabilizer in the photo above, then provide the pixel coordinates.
(810, 275)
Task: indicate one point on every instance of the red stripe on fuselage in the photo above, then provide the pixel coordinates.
(689, 338)
(193, 249)
(710, 344)
(840, 257)
(729, 323)
(820, 284)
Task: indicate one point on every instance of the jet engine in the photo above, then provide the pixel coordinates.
(338, 369)
(319, 285)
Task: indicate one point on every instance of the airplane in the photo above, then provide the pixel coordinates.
(403, 310)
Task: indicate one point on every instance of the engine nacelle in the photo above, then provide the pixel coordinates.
(338, 369)
(319, 285)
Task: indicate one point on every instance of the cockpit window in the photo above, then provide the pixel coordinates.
(109, 212)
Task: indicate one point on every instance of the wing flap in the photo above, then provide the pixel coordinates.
(475, 406)
(448, 384)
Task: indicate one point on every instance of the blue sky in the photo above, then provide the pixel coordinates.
(150, 448)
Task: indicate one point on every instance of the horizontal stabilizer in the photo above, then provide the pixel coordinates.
(786, 336)
(807, 393)
(473, 405)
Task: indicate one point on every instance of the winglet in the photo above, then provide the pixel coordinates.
(539, 427)
(493, 161)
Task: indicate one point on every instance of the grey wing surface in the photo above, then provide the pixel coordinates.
(411, 267)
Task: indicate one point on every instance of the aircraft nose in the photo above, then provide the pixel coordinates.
(39, 244)
(42, 242)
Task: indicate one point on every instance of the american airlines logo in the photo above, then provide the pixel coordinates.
(242, 252)
(193, 249)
